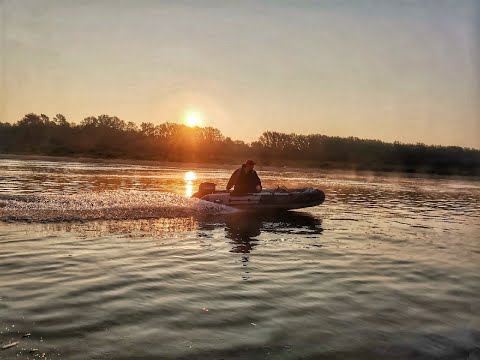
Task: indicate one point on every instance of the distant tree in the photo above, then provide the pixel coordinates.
(147, 129)
(45, 119)
(31, 120)
(60, 120)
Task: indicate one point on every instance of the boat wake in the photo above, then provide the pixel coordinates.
(106, 205)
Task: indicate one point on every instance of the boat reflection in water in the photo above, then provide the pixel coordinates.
(243, 229)
(245, 232)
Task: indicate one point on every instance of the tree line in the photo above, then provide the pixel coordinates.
(107, 136)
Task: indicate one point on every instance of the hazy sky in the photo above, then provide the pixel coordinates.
(385, 69)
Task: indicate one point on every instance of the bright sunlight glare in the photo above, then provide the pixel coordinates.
(193, 118)
(190, 176)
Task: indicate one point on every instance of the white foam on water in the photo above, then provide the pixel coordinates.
(105, 205)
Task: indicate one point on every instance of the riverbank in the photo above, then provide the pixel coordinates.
(291, 166)
(109, 138)
(84, 159)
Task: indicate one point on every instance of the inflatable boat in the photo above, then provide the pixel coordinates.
(279, 199)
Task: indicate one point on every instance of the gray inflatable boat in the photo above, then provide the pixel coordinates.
(279, 199)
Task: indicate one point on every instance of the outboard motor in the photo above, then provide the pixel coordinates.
(204, 189)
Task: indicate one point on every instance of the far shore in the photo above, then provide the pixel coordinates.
(85, 159)
(229, 166)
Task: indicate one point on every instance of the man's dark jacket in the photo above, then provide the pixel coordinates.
(244, 182)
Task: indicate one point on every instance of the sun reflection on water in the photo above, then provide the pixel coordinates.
(189, 177)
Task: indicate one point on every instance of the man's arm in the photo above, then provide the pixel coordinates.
(233, 179)
(259, 183)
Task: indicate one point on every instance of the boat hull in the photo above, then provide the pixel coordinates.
(269, 200)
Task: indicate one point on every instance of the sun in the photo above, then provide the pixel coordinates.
(193, 118)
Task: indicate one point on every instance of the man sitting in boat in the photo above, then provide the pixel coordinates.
(245, 179)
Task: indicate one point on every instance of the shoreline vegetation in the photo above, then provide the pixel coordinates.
(110, 138)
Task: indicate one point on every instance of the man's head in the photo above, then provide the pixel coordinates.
(249, 164)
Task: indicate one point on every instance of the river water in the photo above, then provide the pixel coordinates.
(111, 261)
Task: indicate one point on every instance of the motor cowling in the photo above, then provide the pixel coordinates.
(204, 189)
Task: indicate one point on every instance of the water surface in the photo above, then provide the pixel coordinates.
(105, 261)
